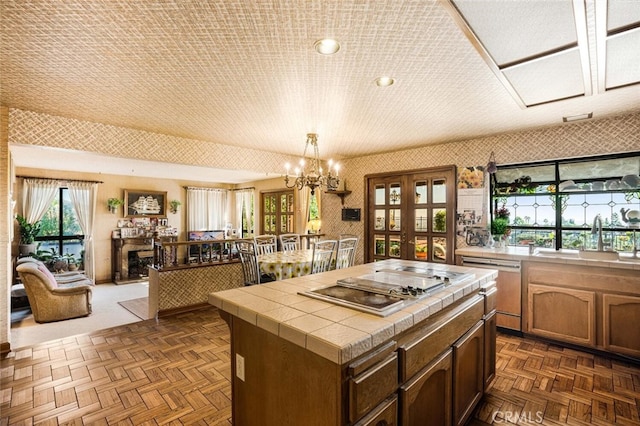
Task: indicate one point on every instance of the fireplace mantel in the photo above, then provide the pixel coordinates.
(120, 249)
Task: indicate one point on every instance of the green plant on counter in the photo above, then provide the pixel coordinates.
(500, 226)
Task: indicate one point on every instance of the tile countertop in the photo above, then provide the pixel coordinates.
(334, 332)
(626, 260)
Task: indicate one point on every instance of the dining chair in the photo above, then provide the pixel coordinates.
(323, 255)
(289, 242)
(346, 254)
(247, 249)
(266, 243)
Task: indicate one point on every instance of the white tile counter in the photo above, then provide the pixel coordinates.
(337, 333)
(626, 261)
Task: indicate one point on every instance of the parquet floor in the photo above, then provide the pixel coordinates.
(175, 371)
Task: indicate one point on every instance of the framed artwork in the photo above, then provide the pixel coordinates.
(140, 203)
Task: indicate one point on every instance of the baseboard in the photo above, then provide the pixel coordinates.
(182, 309)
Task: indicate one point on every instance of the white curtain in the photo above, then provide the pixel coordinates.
(206, 209)
(37, 196)
(244, 198)
(304, 201)
(84, 195)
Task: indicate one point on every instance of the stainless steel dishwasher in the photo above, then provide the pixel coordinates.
(509, 285)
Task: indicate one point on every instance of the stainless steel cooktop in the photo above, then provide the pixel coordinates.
(387, 290)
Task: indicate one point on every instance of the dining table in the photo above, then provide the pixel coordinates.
(286, 264)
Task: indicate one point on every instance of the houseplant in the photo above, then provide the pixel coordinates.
(28, 234)
(114, 203)
(500, 228)
(173, 206)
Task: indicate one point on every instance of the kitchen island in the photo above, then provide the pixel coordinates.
(299, 360)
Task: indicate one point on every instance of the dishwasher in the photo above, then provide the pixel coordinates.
(509, 285)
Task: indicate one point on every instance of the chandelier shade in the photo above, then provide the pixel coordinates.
(310, 174)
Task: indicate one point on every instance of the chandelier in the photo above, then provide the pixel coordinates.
(312, 176)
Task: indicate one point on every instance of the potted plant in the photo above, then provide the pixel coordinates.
(28, 234)
(173, 206)
(114, 203)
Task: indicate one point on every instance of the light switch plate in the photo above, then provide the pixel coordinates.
(240, 367)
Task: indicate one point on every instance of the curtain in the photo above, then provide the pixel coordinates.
(84, 195)
(304, 197)
(206, 209)
(37, 196)
(244, 198)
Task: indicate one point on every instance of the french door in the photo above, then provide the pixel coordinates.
(278, 213)
(411, 215)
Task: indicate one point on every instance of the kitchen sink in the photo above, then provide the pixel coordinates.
(556, 253)
(598, 255)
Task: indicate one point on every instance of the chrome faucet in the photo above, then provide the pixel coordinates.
(597, 227)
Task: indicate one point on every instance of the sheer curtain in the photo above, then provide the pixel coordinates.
(206, 209)
(244, 198)
(84, 195)
(304, 200)
(37, 196)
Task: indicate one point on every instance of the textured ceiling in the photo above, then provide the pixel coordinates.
(244, 73)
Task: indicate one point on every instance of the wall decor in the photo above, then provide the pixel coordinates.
(139, 203)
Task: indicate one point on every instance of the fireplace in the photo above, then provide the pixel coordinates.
(130, 258)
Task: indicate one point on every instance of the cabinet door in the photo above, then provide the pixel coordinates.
(489, 349)
(509, 300)
(426, 399)
(385, 414)
(564, 314)
(619, 324)
(468, 373)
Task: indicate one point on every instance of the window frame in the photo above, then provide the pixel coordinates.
(559, 229)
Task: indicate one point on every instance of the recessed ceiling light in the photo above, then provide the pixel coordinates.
(577, 117)
(326, 46)
(384, 81)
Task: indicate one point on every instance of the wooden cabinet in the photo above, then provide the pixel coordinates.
(620, 332)
(590, 306)
(509, 303)
(385, 414)
(489, 349)
(468, 373)
(426, 399)
(565, 314)
(369, 388)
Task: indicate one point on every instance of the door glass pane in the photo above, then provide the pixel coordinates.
(421, 245)
(439, 220)
(380, 245)
(394, 220)
(380, 195)
(421, 192)
(395, 193)
(439, 191)
(422, 220)
(381, 215)
(439, 249)
(394, 246)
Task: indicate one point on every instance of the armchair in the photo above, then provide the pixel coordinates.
(51, 301)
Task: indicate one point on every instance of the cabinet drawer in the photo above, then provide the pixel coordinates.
(385, 414)
(490, 299)
(372, 386)
(431, 341)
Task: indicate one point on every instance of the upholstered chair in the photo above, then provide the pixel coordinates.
(49, 300)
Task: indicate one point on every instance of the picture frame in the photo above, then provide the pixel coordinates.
(142, 203)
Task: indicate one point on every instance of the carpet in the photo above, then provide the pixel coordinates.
(138, 307)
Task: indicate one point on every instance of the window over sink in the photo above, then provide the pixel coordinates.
(554, 203)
